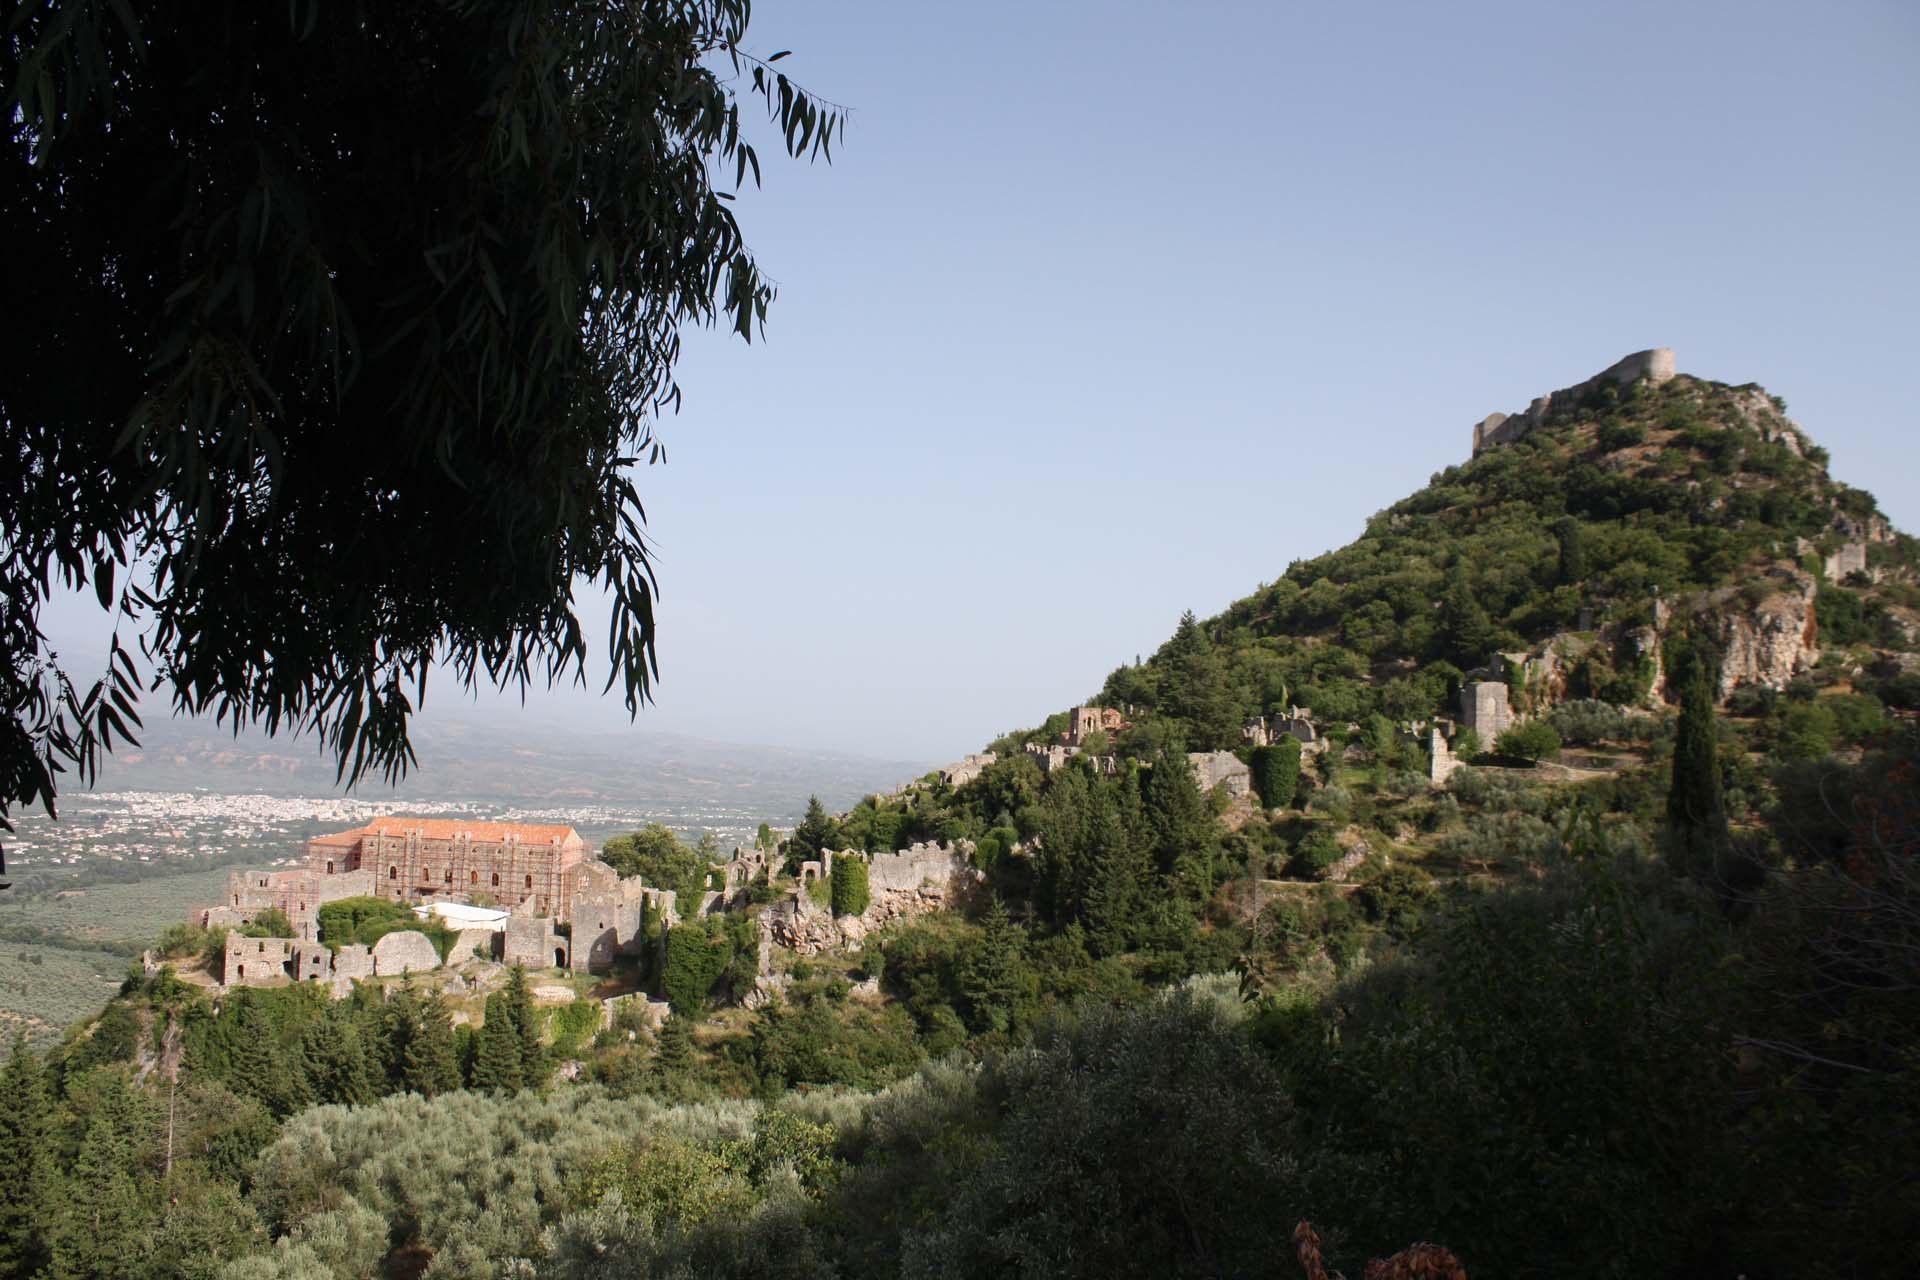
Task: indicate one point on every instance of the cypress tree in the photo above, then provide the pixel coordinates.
(1573, 550)
(525, 1021)
(25, 1178)
(1696, 812)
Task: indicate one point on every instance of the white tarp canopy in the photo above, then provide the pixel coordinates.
(461, 915)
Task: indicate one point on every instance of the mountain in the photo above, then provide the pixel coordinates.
(1579, 536)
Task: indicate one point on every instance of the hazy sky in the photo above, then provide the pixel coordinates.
(1106, 311)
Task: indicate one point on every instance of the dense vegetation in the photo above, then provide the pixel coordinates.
(1654, 1013)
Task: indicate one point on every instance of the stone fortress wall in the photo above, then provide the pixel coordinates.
(1656, 365)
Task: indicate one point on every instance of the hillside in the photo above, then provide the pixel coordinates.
(1267, 934)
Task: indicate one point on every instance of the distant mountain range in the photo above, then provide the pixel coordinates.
(497, 760)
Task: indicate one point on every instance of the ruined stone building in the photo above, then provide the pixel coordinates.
(1485, 710)
(1082, 722)
(1266, 731)
(1220, 768)
(565, 909)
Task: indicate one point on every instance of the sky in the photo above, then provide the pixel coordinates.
(1102, 312)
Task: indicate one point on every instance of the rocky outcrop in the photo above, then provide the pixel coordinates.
(1768, 643)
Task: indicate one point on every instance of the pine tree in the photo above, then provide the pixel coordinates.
(992, 973)
(257, 1066)
(496, 1065)
(1696, 812)
(1121, 883)
(25, 1174)
(431, 1065)
(1468, 631)
(673, 1053)
(1179, 824)
(1197, 690)
(99, 1221)
(335, 1058)
(814, 833)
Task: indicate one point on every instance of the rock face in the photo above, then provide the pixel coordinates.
(1771, 642)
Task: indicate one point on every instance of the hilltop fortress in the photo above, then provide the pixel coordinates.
(1655, 365)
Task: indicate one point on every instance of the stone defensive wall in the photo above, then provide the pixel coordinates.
(1656, 365)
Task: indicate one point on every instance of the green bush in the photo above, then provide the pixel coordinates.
(1529, 740)
(270, 923)
(850, 894)
(1316, 851)
(1276, 772)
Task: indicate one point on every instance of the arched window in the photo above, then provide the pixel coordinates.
(529, 882)
(496, 879)
(473, 877)
(329, 866)
(449, 875)
(426, 873)
(393, 873)
(243, 971)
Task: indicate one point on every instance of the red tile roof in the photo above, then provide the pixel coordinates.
(447, 828)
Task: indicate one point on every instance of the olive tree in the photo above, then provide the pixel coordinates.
(339, 328)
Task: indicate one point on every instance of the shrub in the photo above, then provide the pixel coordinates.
(1316, 851)
(179, 941)
(271, 923)
(1529, 740)
(1621, 435)
(1397, 899)
(1276, 773)
(1589, 721)
(849, 892)
(695, 961)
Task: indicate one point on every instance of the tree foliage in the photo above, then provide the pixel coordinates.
(850, 892)
(349, 321)
(1276, 772)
